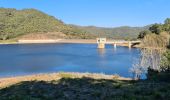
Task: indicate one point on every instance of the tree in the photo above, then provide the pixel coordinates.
(156, 28)
(166, 26)
(142, 34)
(167, 21)
(153, 47)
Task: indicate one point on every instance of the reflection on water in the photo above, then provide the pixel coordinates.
(22, 59)
(101, 52)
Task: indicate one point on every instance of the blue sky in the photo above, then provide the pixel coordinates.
(106, 13)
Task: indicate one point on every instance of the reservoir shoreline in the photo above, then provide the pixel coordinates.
(8, 81)
(69, 41)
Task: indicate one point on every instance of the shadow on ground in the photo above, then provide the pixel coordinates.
(86, 89)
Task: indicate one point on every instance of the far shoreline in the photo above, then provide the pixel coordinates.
(64, 41)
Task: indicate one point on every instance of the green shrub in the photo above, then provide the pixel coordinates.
(158, 76)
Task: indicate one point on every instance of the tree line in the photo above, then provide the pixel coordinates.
(123, 32)
(157, 29)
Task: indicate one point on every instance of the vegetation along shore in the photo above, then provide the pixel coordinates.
(80, 86)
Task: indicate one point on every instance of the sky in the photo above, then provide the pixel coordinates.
(102, 13)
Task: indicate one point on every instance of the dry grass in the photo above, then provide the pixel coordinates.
(13, 41)
(154, 41)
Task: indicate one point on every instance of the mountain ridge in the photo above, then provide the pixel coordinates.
(127, 32)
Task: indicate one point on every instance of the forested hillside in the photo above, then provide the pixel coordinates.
(124, 32)
(14, 23)
(31, 23)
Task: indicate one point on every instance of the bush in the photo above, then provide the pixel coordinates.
(154, 75)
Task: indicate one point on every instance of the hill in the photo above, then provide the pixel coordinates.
(123, 32)
(34, 24)
(15, 23)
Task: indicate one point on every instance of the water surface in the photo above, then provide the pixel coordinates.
(23, 59)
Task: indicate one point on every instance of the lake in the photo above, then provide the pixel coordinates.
(26, 59)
